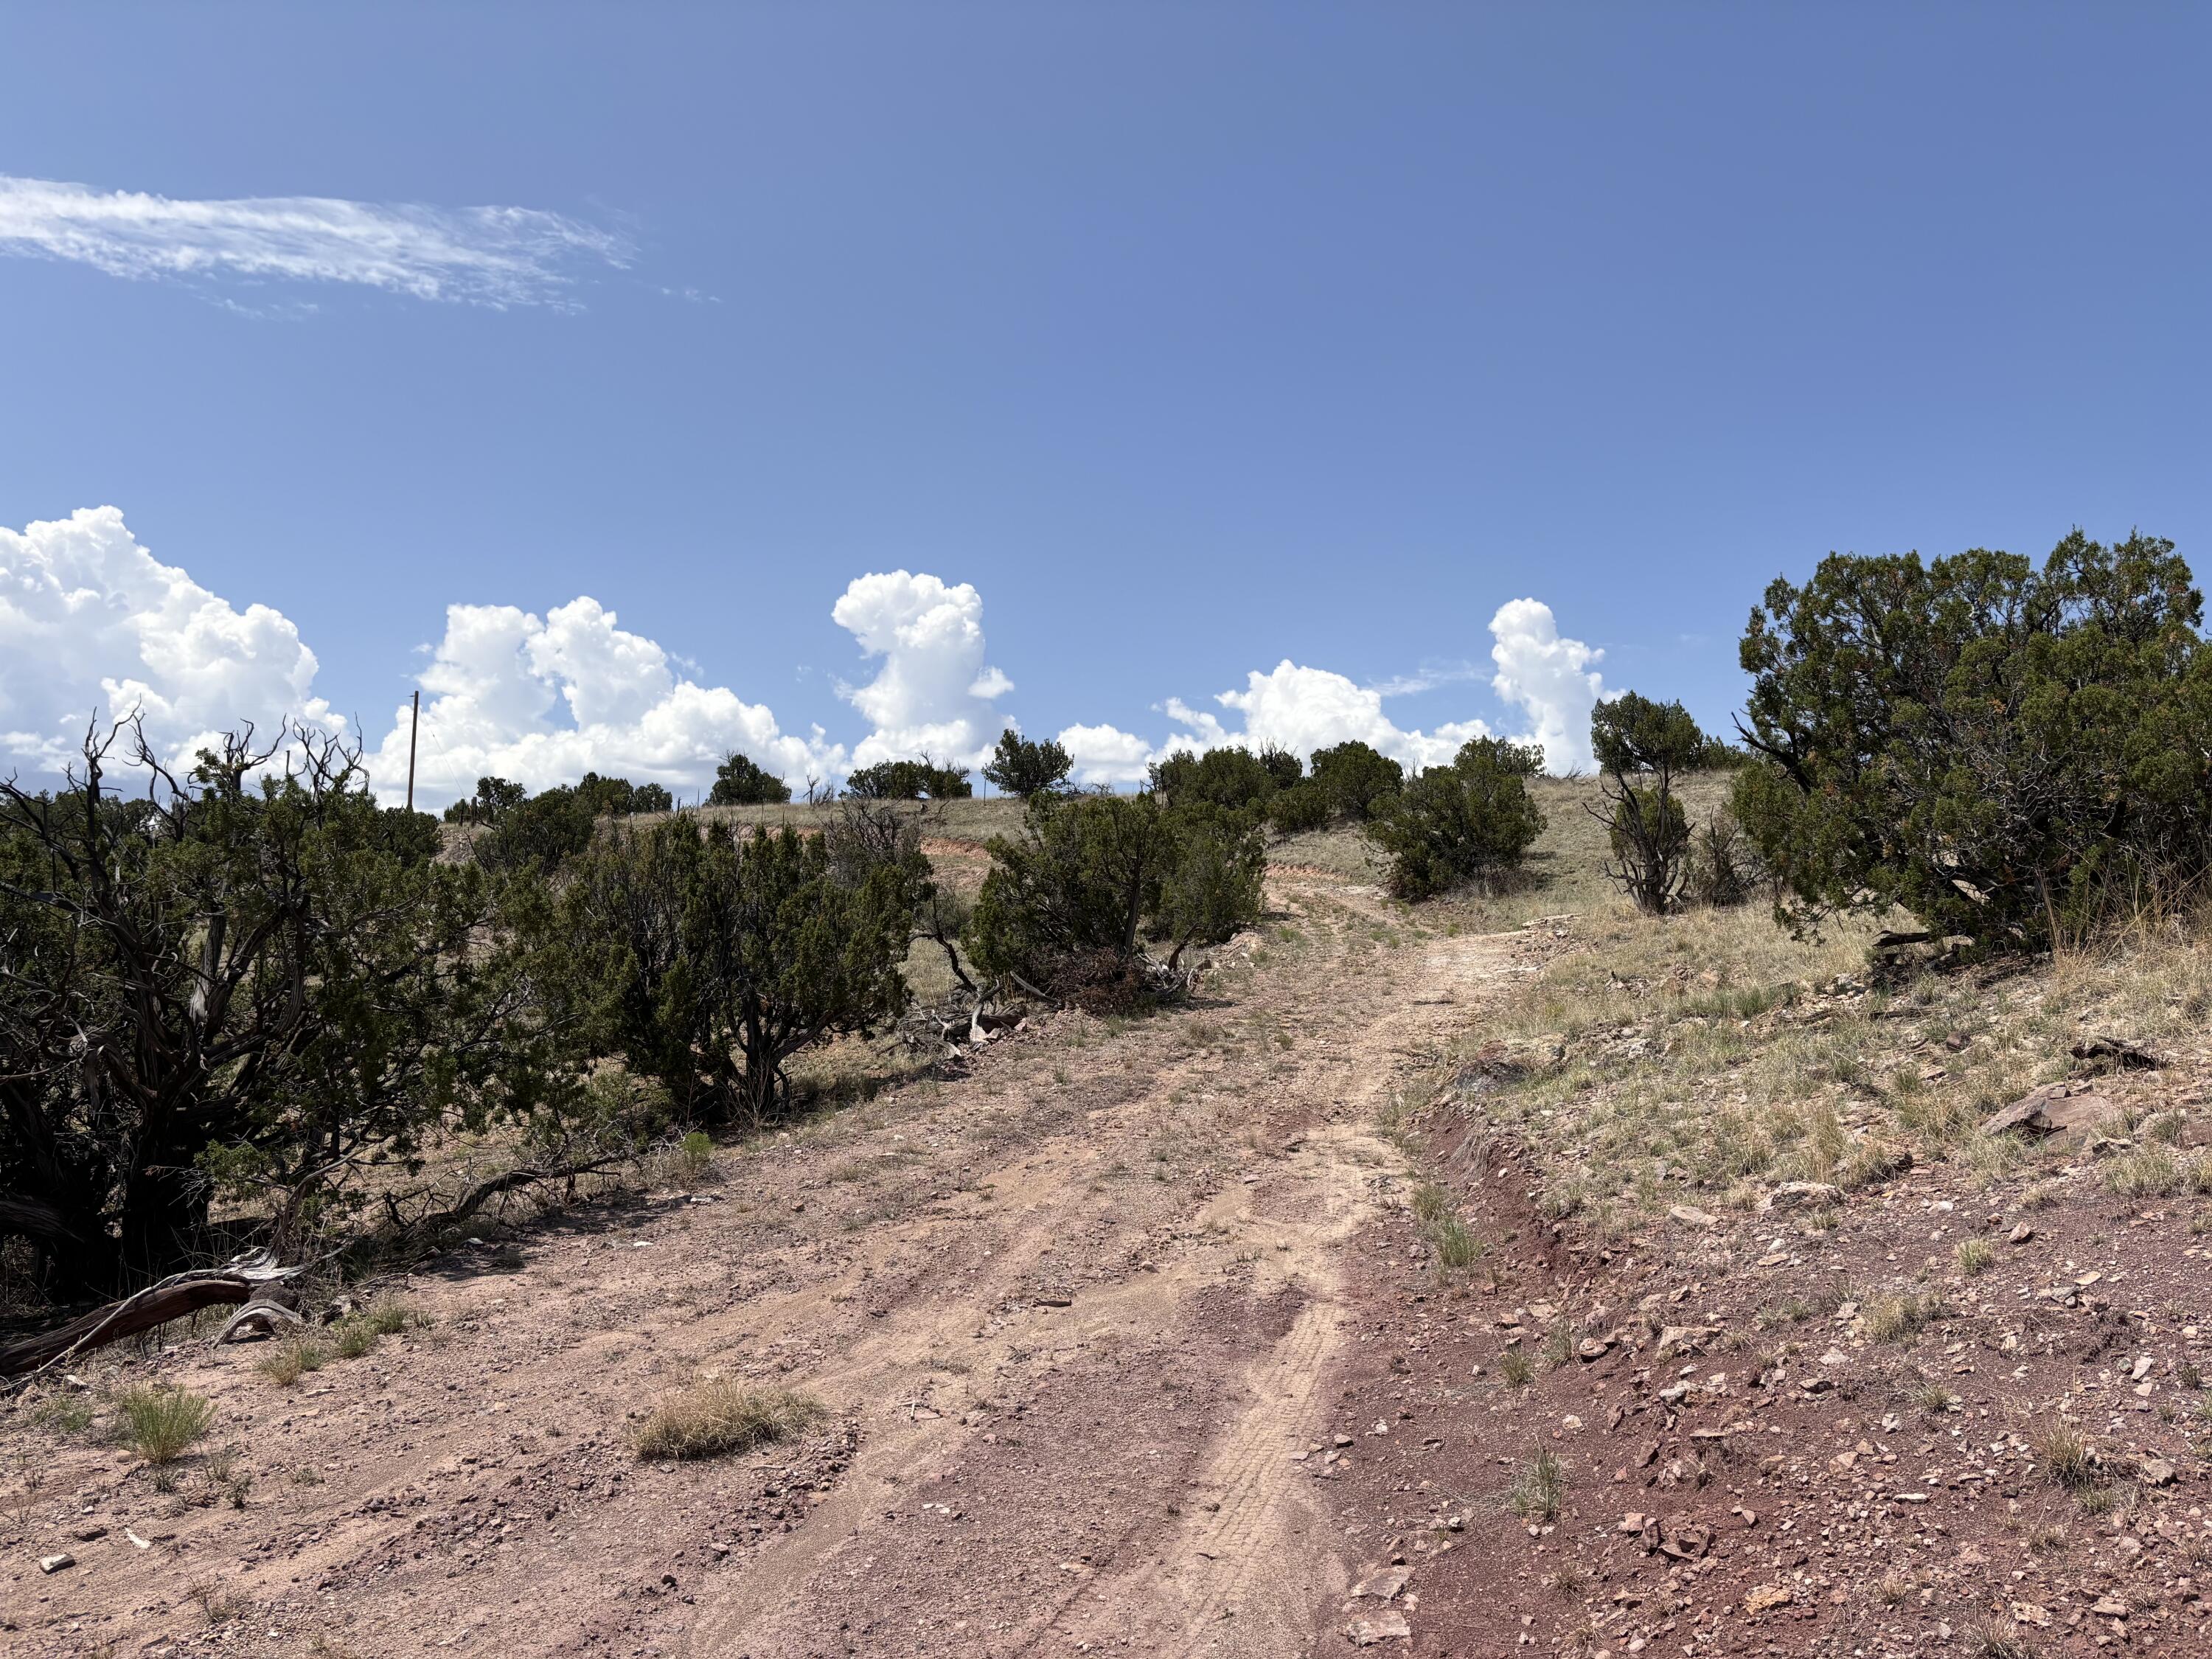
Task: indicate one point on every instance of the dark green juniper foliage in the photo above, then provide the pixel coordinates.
(740, 780)
(541, 832)
(620, 797)
(1067, 901)
(909, 779)
(1471, 821)
(1019, 767)
(492, 799)
(241, 978)
(707, 960)
(1356, 779)
(2010, 754)
(1231, 777)
(1641, 748)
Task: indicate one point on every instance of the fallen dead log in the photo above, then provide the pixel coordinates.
(173, 1297)
(430, 1223)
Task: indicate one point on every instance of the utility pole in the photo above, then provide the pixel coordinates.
(414, 727)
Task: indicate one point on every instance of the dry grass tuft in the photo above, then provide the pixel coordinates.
(1976, 1255)
(2063, 1456)
(291, 1357)
(159, 1424)
(1540, 1487)
(721, 1415)
(1899, 1318)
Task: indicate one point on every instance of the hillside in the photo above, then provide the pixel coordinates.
(1507, 1274)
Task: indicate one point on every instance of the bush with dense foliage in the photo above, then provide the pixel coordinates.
(1470, 822)
(541, 832)
(1067, 901)
(909, 779)
(493, 797)
(1642, 747)
(1021, 767)
(1301, 807)
(620, 797)
(1355, 778)
(2007, 752)
(251, 980)
(707, 959)
(1231, 777)
(741, 781)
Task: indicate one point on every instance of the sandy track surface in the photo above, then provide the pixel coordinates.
(1070, 1310)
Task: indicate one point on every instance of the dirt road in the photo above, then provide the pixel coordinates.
(1071, 1310)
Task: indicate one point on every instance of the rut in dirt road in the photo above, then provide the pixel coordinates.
(1068, 1314)
(1138, 1484)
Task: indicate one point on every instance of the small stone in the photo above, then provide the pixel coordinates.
(56, 1562)
(1384, 1584)
(1690, 1216)
(1765, 1598)
(88, 1535)
(2020, 1234)
(1383, 1627)
(2028, 1612)
(2110, 1607)
(2157, 1471)
(1792, 1195)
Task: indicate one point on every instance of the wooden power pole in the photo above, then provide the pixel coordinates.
(414, 728)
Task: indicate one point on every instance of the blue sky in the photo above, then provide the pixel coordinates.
(1195, 337)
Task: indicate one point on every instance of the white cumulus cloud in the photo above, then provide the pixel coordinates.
(92, 625)
(493, 256)
(933, 695)
(1302, 709)
(542, 700)
(1551, 679)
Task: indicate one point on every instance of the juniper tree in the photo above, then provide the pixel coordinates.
(1642, 747)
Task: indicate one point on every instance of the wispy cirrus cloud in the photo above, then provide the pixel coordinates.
(488, 256)
(1427, 679)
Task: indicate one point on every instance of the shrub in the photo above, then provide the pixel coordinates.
(740, 780)
(542, 833)
(1724, 869)
(709, 960)
(1020, 767)
(1302, 807)
(1470, 820)
(491, 801)
(909, 779)
(302, 999)
(1065, 902)
(620, 797)
(160, 1423)
(1212, 888)
(2003, 751)
(1641, 746)
(1230, 777)
(352, 1338)
(721, 1416)
(1354, 779)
